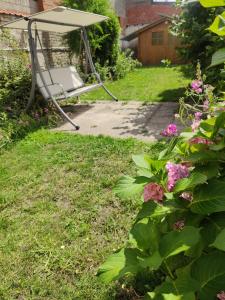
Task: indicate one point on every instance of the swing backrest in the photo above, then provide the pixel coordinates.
(64, 79)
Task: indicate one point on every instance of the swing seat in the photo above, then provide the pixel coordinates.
(63, 83)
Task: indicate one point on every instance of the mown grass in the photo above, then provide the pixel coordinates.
(59, 218)
(150, 84)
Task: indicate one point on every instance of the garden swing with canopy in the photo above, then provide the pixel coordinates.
(62, 82)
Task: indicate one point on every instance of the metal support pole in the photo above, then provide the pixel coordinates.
(36, 67)
(33, 65)
(88, 51)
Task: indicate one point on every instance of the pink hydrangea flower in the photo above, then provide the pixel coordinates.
(179, 225)
(196, 86)
(195, 125)
(187, 196)
(221, 295)
(198, 116)
(175, 172)
(170, 131)
(206, 105)
(153, 191)
(200, 140)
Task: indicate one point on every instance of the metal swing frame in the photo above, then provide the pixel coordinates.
(32, 24)
(35, 65)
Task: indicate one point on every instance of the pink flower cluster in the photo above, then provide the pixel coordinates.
(153, 191)
(200, 140)
(196, 86)
(175, 172)
(221, 295)
(206, 105)
(170, 131)
(197, 121)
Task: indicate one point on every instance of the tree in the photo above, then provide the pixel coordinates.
(104, 37)
(197, 42)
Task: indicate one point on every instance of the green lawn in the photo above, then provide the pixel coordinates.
(59, 218)
(152, 84)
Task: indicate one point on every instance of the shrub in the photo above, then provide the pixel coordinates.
(179, 231)
(104, 37)
(15, 85)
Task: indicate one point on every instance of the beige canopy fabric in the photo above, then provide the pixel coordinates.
(69, 19)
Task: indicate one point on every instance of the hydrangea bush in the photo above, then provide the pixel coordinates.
(180, 228)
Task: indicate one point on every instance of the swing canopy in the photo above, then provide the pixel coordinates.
(59, 19)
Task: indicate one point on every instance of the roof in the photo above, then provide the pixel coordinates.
(67, 20)
(12, 12)
(135, 34)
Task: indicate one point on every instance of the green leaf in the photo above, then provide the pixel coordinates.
(154, 296)
(210, 170)
(189, 183)
(184, 284)
(218, 25)
(128, 186)
(152, 262)
(212, 3)
(146, 235)
(176, 242)
(220, 122)
(209, 271)
(209, 198)
(218, 58)
(142, 160)
(155, 211)
(119, 264)
(220, 241)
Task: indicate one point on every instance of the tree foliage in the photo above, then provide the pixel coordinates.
(104, 37)
(198, 43)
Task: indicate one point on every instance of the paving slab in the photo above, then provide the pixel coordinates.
(121, 119)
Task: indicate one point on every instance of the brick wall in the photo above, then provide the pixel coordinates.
(146, 13)
(47, 4)
(20, 7)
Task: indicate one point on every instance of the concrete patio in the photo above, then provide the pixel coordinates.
(121, 119)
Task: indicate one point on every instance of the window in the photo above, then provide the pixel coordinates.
(157, 38)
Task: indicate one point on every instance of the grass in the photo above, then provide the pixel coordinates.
(59, 218)
(152, 84)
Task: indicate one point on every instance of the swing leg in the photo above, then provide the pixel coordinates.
(108, 92)
(64, 114)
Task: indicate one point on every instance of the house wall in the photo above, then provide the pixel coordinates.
(56, 51)
(22, 7)
(144, 13)
(150, 54)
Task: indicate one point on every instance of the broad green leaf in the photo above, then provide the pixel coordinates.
(218, 57)
(210, 170)
(184, 284)
(142, 160)
(128, 186)
(220, 122)
(209, 198)
(119, 264)
(189, 183)
(146, 235)
(218, 25)
(154, 296)
(155, 211)
(220, 241)
(209, 271)
(152, 262)
(176, 242)
(212, 3)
